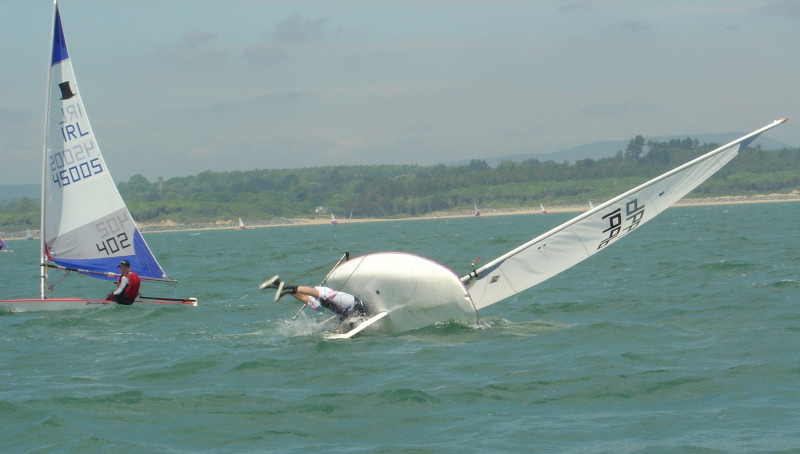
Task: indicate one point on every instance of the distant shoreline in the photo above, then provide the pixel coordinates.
(707, 201)
(161, 227)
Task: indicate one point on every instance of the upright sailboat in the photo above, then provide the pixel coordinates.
(85, 225)
(414, 292)
(241, 225)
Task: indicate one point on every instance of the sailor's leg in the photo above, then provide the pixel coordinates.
(310, 291)
(295, 290)
(300, 297)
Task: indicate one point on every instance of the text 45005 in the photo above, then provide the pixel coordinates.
(76, 173)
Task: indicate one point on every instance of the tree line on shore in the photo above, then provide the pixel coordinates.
(380, 191)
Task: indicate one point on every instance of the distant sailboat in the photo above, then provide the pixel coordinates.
(543, 210)
(4, 246)
(333, 219)
(241, 225)
(477, 213)
(85, 225)
(407, 292)
(591, 206)
(28, 234)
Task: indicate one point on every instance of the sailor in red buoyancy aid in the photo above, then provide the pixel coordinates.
(127, 285)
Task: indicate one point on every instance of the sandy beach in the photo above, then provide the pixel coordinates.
(168, 226)
(793, 196)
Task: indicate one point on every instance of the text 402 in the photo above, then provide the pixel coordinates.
(114, 244)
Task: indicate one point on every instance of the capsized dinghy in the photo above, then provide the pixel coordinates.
(415, 292)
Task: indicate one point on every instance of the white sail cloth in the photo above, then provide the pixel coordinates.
(86, 225)
(575, 240)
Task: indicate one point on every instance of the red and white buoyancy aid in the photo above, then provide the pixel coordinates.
(132, 289)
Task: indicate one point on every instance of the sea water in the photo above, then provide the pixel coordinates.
(682, 337)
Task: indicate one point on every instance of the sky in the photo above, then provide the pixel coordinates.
(178, 87)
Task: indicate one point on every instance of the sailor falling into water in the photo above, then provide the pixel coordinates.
(341, 303)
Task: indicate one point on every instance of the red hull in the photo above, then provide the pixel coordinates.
(54, 304)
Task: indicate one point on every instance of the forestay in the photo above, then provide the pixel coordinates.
(86, 225)
(570, 243)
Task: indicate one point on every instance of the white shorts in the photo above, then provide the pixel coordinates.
(341, 299)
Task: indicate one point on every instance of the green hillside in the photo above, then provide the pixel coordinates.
(387, 191)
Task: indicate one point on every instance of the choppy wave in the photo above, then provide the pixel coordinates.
(674, 340)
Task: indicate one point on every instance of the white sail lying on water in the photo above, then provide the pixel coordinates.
(577, 239)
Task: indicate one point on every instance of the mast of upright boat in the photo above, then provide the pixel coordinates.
(42, 255)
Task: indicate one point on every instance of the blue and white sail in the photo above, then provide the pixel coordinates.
(85, 223)
(581, 237)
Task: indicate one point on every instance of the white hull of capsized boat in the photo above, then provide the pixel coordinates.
(415, 291)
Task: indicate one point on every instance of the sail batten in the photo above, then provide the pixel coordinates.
(581, 237)
(85, 223)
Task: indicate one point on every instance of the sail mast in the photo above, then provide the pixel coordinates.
(42, 255)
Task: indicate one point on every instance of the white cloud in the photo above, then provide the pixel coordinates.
(295, 29)
(197, 48)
